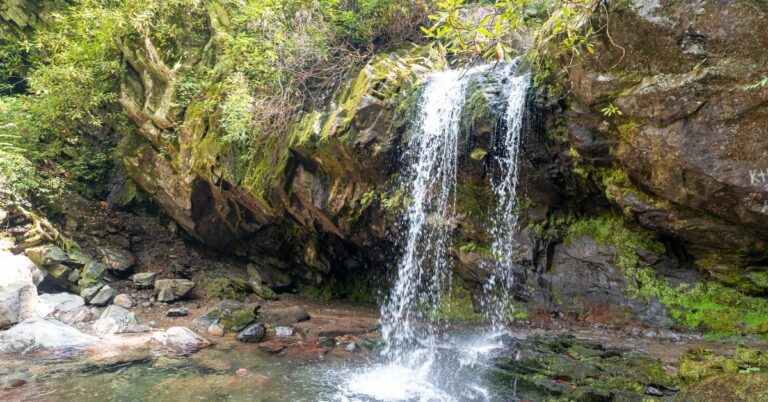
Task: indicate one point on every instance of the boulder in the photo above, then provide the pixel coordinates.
(144, 280)
(18, 268)
(169, 290)
(103, 296)
(90, 292)
(285, 316)
(53, 303)
(18, 301)
(117, 320)
(181, 339)
(232, 314)
(252, 333)
(44, 334)
(119, 260)
(123, 300)
(91, 274)
(47, 256)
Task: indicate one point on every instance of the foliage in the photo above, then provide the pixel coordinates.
(758, 85)
(562, 22)
(611, 110)
(21, 179)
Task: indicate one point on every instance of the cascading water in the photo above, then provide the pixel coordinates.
(504, 218)
(419, 364)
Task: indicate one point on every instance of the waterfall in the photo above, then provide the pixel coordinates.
(419, 363)
(504, 217)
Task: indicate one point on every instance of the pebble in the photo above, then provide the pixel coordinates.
(123, 300)
(177, 312)
(216, 329)
(284, 331)
(146, 304)
(242, 372)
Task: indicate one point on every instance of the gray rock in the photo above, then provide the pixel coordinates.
(18, 302)
(103, 296)
(119, 261)
(284, 331)
(18, 268)
(117, 320)
(177, 312)
(43, 334)
(76, 316)
(172, 289)
(89, 292)
(54, 303)
(46, 256)
(144, 280)
(285, 316)
(181, 339)
(123, 300)
(252, 333)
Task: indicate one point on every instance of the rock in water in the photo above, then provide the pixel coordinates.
(169, 290)
(18, 268)
(182, 339)
(18, 301)
(284, 316)
(43, 334)
(123, 300)
(144, 280)
(252, 333)
(117, 320)
(103, 296)
(118, 260)
(284, 331)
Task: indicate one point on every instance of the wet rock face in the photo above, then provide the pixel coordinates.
(691, 138)
(565, 368)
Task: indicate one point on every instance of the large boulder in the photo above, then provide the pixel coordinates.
(119, 261)
(18, 301)
(52, 303)
(284, 316)
(44, 334)
(117, 320)
(18, 268)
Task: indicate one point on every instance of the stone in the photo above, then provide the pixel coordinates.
(18, 302)
(253, 333)
(54, 303)
(144, 280)
(172, 289)
(117, 320)
(40, 334)
(216, 329)
(283, 331)
(123, 300)
(18, 268)
(91, 274)
(89, 292)
(181, 339)
(103, 296)
(177, 312)
(77, 315)
(271, 347)
(119, 260)
(46, 256)
(284, 316)
(146, 304)
(351, 347)
(232, 314)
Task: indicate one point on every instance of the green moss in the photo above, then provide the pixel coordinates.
(91, 274)
(456, 306)
(237, 319)
(222, 287)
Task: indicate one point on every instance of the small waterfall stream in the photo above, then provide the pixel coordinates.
(420, 361)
